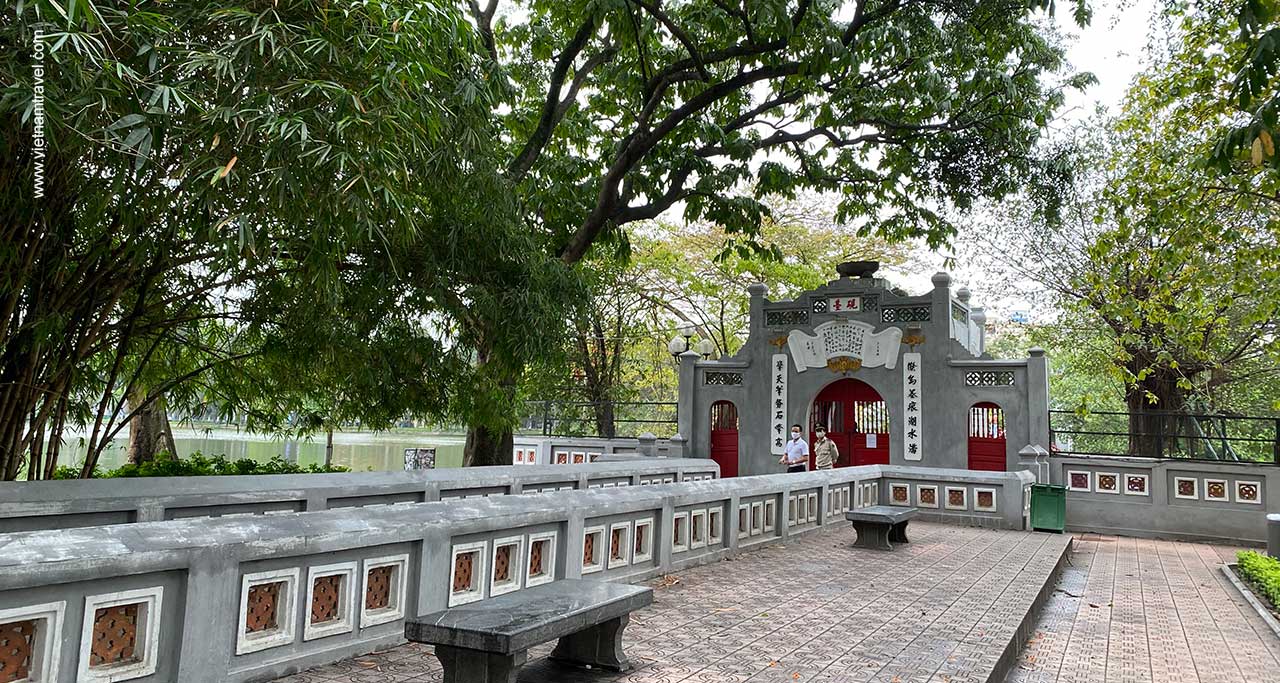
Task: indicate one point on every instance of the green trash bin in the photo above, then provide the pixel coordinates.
(1048, 507)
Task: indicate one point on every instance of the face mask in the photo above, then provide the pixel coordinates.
(795, 435)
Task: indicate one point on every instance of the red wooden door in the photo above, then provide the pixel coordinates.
(987, 438)
(724, 437)
(857, 420)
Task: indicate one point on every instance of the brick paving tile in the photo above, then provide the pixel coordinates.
(1140, 610)
(937, 610)
(816, 610)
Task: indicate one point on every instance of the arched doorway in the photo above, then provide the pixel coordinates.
(857, 420)
(986, 437)
(724, 437)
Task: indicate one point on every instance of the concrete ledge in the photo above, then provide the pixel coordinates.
(1161, 535)
(32, 506)
(1170, 498)
(1249, 597)
(206, 566)
(1014, 647)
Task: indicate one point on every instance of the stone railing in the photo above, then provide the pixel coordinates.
(1166, 497)
(570, 450)
(27, 506)
(254, 598)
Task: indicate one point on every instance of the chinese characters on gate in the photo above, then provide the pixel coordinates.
(778, 396)
(912, 443)
(844, 304)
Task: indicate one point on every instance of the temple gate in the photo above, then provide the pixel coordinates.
(896, 379)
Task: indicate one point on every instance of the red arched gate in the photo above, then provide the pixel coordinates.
(857, 420)
(986, 437)
(724, 437)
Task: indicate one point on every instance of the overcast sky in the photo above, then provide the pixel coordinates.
(1111, 47)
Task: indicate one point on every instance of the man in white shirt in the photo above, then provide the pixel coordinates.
(796, 457)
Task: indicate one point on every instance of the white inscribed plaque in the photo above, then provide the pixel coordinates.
(872, 439)
(912, 402)
(848, 338)
(778, 404)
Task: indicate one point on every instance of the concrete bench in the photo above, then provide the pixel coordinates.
(880, 526)
(488, 641)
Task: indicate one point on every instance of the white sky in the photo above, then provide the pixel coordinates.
(1111, 48)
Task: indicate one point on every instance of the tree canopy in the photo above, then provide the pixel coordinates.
(310, 212)
(1166, 264)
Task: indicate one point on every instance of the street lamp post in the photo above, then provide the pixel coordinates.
(680, 343)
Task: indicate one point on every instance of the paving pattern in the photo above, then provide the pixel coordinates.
(1136, 610)
(940, 609)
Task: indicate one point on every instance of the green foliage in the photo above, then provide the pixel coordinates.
(1167, 271)
(305, 213)
(1079, 358)
(900, 110)
(199, 465)
(700, 273)
(287, 212)
(1246, 147)
(696, 275)
(1263, 572)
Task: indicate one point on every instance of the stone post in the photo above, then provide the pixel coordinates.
(1038, 398)
(758, 291)
(1273, 535)
(647, 444)
(1029, 460)
(679, 446)
(687, 397)
(979, 318)
(942, 304)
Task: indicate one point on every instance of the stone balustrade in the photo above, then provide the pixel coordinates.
(27, 506)
(253, 598)
(1177, 498)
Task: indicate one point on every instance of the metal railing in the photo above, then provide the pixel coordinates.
(1166, 434)
(575, 418)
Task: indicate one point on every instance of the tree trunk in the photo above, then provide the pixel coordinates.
(149, 430)
(487, 446)
(328, 448)
(604, 418)
(1155, 428)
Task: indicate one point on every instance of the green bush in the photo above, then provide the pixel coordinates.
(199, 465)
(1263, 571)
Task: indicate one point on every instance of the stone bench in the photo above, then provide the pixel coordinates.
(880, 526)
(488, 641)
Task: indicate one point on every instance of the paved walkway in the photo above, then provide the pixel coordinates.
(938, 609)
(1137, 610)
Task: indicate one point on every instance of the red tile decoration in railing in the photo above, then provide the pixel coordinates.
(325, 594)
(115, 636)
(260, 612)
(16, 646)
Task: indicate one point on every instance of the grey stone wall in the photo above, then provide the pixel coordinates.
(195, 580)
(27, 506)
(552, 450)
(1168, 498)
(956, 374)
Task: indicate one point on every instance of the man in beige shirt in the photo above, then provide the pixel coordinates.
(825, 453)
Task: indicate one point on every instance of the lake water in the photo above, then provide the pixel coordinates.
(359, 451)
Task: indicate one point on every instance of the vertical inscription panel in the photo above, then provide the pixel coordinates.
(912, 404)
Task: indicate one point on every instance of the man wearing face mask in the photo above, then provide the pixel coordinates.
(825, 453)
(797, 452)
